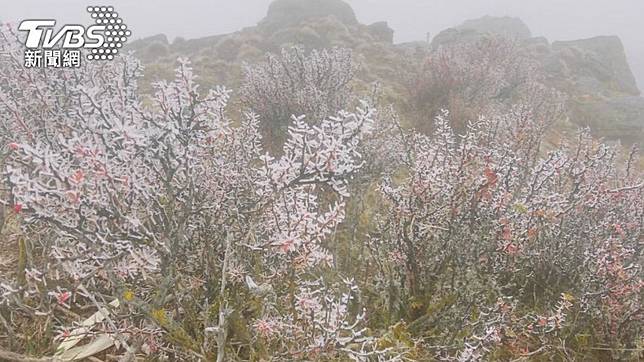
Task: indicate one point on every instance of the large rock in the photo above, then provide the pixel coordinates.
(454, 36)
(381, 32)
(286, 13)
(601, 89)
(506, 26)
(598, 64)
(594, 74)
(473, 30)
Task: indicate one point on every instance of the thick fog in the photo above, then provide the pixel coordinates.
(411, 19)
(554, 19)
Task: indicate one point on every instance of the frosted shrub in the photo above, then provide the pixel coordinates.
(485, 76)
(165, 206)
(162, 226)
(487, 215)
(296, 83)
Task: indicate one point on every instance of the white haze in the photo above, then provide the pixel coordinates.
(411, 19)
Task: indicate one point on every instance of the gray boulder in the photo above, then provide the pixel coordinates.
(600, 62)
(506, 26)
(286, 13)
(473, 30)
(381, 32)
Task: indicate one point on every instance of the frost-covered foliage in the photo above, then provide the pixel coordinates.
(178, 214)
(485, 76)
(485, 216)
(296, 83)
(162, 227)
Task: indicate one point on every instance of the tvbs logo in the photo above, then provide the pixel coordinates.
(62, 48)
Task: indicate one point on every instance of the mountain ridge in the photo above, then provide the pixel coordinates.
(594, 72)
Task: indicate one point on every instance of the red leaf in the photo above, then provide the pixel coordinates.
(62, 297)
(532, 233)
(511, 249)
(73, 197)
(491, 176)
(507, 233)
(17, 208)
(78, 176)
(619, 229)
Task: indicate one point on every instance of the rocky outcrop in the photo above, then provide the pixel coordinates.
(286, 13)
(472, 30)
(600, 62)
(593, 73)
(381, 32)
(505, 26)
(453, 35)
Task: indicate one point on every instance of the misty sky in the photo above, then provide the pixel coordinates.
(411, 19)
